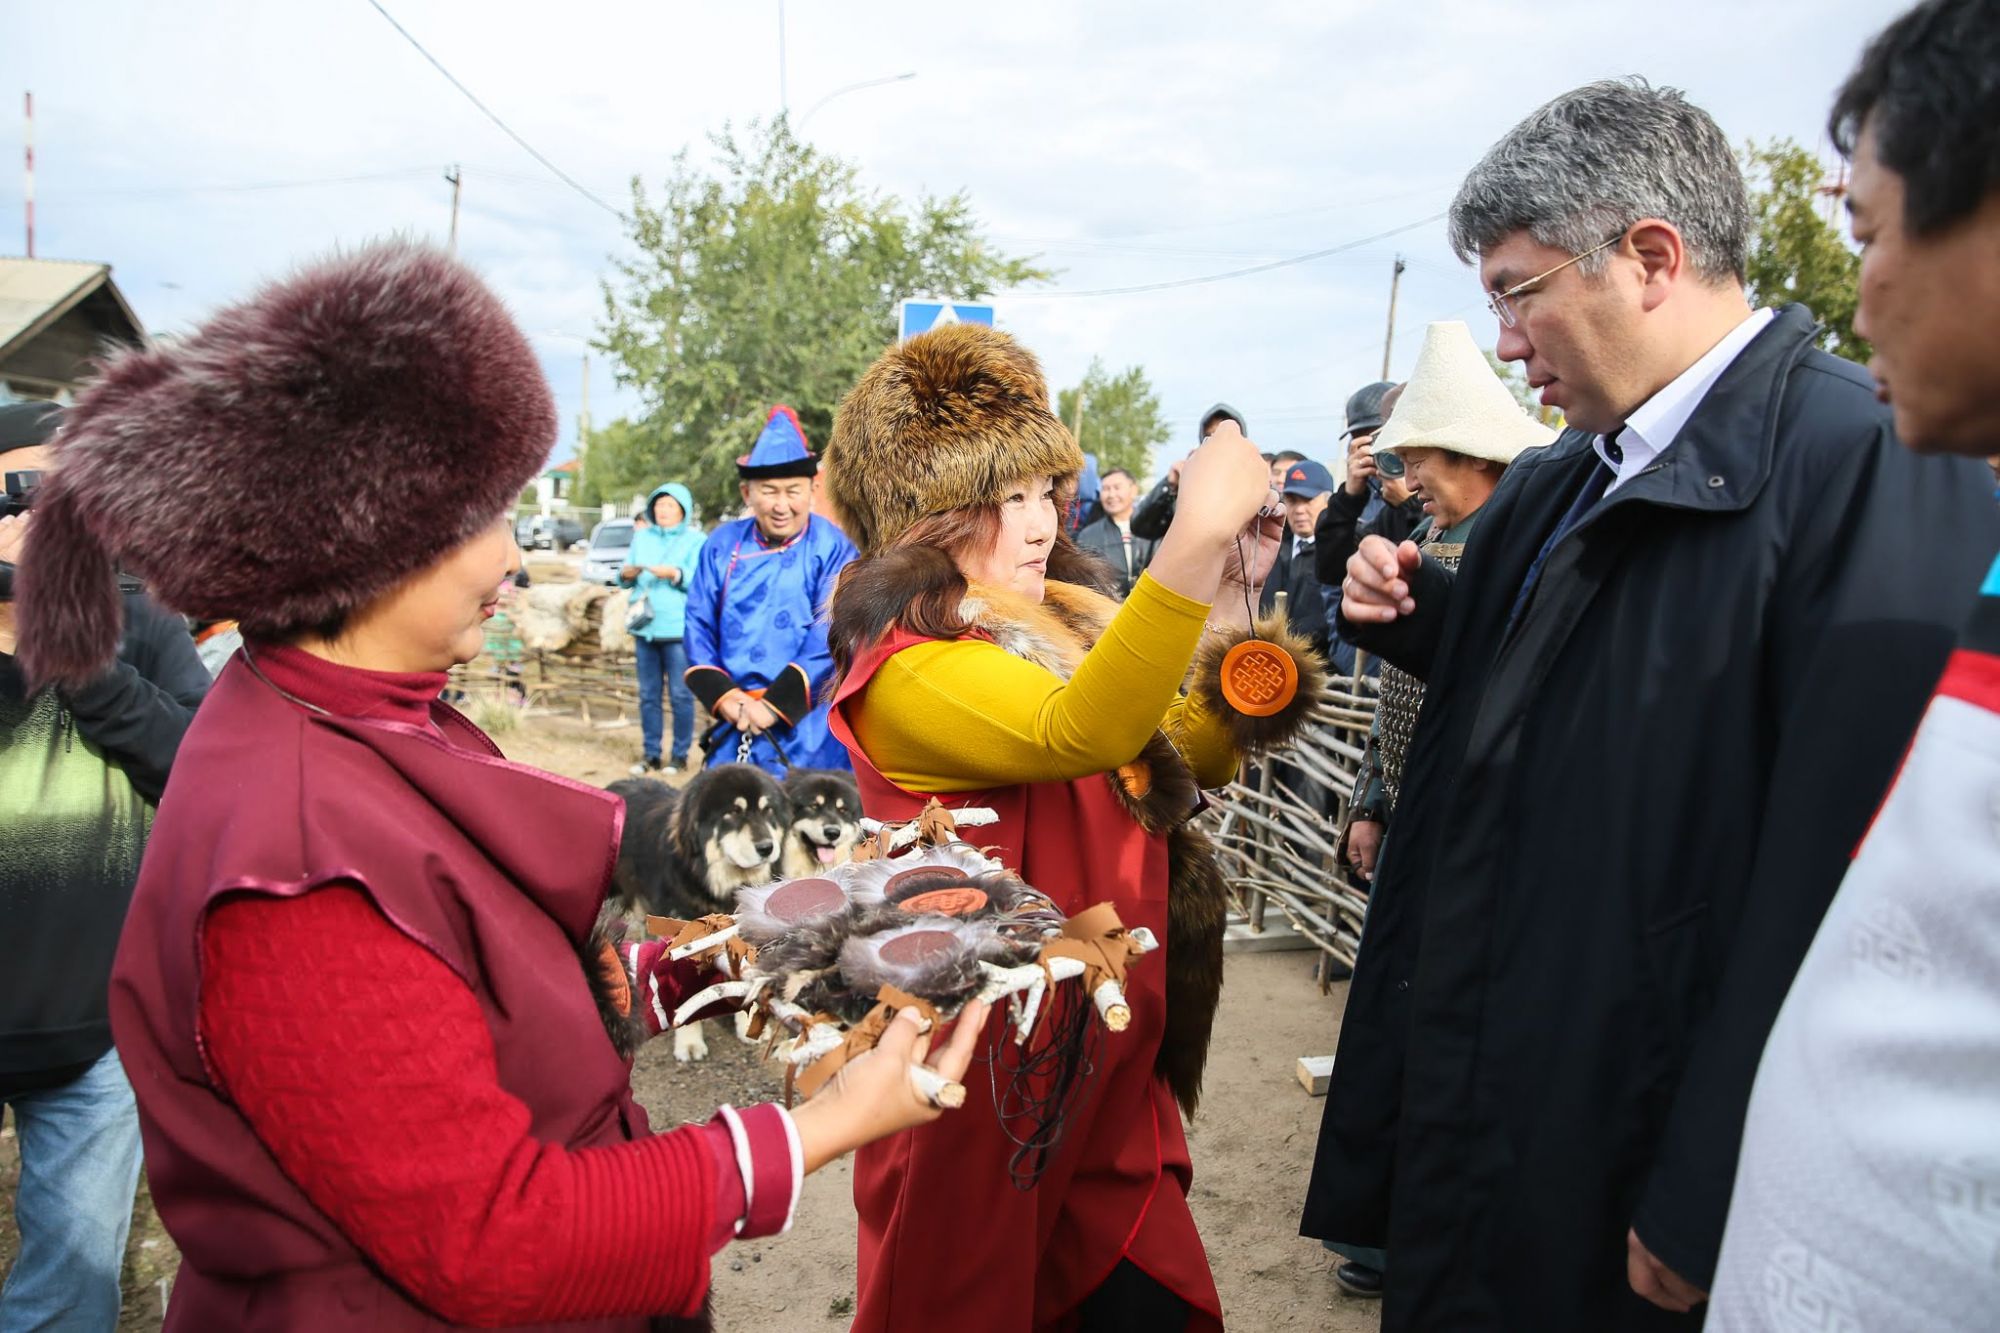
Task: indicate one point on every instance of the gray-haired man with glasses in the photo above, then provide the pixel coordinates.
(1665, 691)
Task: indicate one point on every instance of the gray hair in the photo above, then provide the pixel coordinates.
(1596, 160)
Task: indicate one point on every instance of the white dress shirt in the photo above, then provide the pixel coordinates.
(1651, 428)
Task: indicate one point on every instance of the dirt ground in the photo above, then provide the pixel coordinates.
(1252, 1142)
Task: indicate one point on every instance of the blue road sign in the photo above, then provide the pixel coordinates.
(921, 314)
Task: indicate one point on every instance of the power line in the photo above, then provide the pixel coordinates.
(1028, 295)
(141, 191)
(1344, 202)
(526, 147)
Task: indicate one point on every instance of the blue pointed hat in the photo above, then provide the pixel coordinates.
(780, 450)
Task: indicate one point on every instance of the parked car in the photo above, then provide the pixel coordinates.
(524, 531)
(610, 541)
(551, 532)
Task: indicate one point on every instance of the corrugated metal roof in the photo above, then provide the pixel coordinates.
(35, 293)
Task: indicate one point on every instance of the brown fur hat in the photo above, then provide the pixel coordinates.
(297, 456)
(948, 419)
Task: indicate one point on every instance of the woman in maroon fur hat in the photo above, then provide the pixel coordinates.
(380, 1070)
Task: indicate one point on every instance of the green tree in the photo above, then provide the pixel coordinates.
(621, 459)
(1121, 421)
(771, 278)
(1796, 254)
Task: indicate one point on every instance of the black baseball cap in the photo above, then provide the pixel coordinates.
(1364, 409)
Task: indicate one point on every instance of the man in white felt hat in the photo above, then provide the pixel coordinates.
(1452, 433)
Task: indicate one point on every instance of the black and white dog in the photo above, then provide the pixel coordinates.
(685, 852)
(826, 820)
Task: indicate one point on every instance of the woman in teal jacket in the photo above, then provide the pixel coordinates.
(662, 559)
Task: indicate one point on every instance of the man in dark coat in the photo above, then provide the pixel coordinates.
(1305, 488)
(1686, 647)
(81, 769)
(1111, 535)
(1367, 503)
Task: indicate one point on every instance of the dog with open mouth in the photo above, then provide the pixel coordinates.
(686, 851)
(825, 820)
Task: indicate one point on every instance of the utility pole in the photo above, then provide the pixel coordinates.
(583, 412)
(784, 100)
(1077, 430)
(1389, 340)
(29, 194)
(455, 176)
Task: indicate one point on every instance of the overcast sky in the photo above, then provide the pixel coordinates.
(201, 146)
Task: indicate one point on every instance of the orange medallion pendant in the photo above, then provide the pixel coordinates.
(1259, 678)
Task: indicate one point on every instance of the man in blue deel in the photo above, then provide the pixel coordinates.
(756, 612)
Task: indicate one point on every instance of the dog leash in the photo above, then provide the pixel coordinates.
(744, 746)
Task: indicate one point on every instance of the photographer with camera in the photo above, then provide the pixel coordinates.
(79, 772)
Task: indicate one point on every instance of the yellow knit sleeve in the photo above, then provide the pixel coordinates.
(965, 714)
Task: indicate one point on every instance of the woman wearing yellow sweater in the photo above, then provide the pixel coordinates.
(980, 664)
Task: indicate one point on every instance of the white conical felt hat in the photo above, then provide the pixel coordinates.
(1454, 401)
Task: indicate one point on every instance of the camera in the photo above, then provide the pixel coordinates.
(21, 487)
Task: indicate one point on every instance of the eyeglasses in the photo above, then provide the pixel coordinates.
(1502, 303)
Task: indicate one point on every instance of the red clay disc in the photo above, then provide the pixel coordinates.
(912, 881)
(946, 902)
(804, 899)
(916, 947)
(1258, 678)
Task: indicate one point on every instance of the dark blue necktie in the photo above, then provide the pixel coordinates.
(1593, 491)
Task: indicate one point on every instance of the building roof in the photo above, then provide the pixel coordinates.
(37, 296)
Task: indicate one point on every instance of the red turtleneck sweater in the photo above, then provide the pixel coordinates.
(402, 1133)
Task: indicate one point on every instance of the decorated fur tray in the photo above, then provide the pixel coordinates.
(919, 918)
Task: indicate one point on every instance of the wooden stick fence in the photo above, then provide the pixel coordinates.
(601, 687)
(1277, 825)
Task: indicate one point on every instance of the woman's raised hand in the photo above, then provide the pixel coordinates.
(1223, 485)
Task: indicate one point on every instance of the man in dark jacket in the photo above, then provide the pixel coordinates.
(1665, 690)
(1111, 536)
(1305, 488)
(1156, 511)
(1368, 503)
(79, 773)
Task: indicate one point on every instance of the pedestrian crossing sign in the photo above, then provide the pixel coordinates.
(921, 314)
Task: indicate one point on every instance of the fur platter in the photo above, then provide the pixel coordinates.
(1260, 735)
(950, 418)
(296, 456)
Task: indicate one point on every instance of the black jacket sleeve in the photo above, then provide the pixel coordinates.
(790, 695)
(139, 708)
(1335, 536)
(1411, 641)
(1153, 514)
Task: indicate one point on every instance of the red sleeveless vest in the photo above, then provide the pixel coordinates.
(486, 863)
(945, 1235)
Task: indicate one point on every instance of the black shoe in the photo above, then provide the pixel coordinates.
(1359, 1280)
